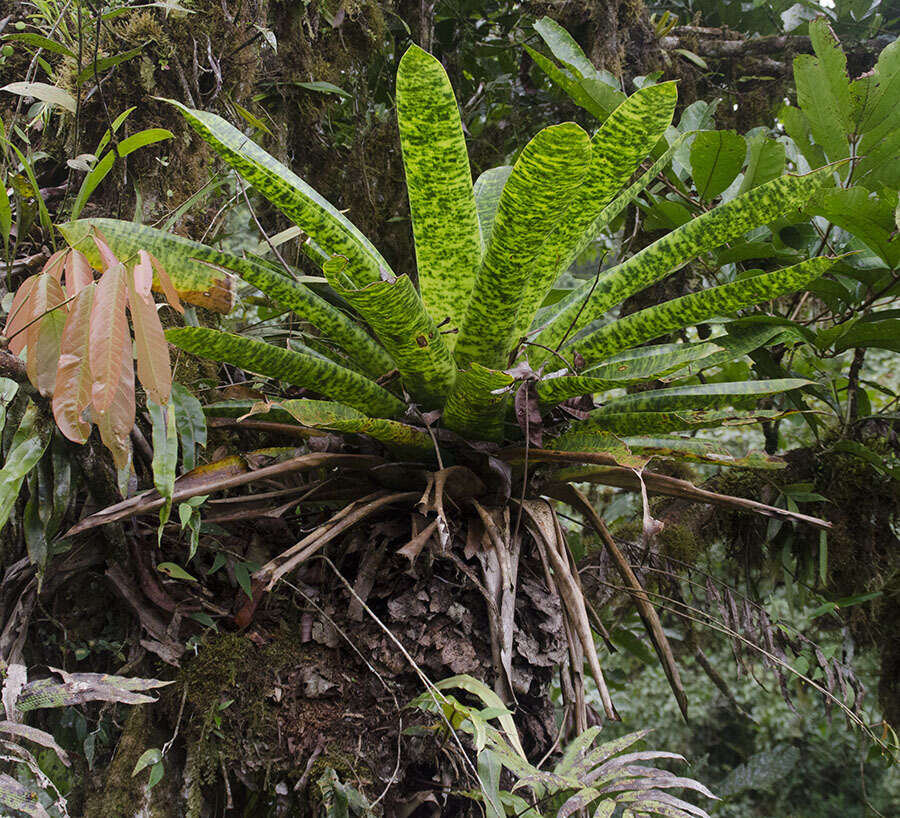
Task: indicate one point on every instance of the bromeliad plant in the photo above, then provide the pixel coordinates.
(493, 397)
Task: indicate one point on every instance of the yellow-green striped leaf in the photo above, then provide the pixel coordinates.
(487, 189)
(320, 219)
(439, 184)
(316, 374)
(535, 198)
(474, 410)
(337, 417)
(202, 284)
(653, 322)
(406, 330)
(729, 220)
(326, 318)
(697, 396)
(627, 136)
(655, 423)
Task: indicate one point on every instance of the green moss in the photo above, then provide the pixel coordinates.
(680, 542)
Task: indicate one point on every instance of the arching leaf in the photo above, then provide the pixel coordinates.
(729, 220)
(296, 368)
(327, 226)
(153, 368)
(475, 409)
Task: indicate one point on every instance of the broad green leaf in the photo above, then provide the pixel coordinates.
(295, 368)
(406, 330)
(165, 457)
(873, 99)
(535, 198)
(336, 417)
(473, 410)
(320, 219)
(823, 91)
(309, 306)
(697, 396)
(877, 334)
(191, 424)
(72, 394)
(599, 101)
(626, 137)
(797, 127)
(564, 47)
(724, 223)
(44, 92)
(439, 184)
(868, 217)
(765, 161)
(147, 759)
(598, 442)
(716, 159)
(487, 190)
(653, 322)
(204, 284)
(28, 446)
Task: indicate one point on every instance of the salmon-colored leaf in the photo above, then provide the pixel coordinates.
(166, 284)
(20, 314)
(78, 273)
(55, 264)
(109, 336)
(43, 334)
(108, 256)
(115, 424)
(73, 377)
(143, 273)
(149, 341)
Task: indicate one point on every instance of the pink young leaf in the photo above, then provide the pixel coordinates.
(44, 333)
(115, 424)
(109, 336)
(20, 314)
(107, 255)
(143, 274)
(73, 377)
(166, 284)
(150, 344)
(78, 273)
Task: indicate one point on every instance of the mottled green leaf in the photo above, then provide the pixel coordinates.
(654, 423)
(439, 184)
(729, 220)
(191, 423)
(697, 396)
(535, 198)
(487, 190)
(337, 417)
(716, 159)
(653, 322)
(626, 137)
(326, 318)
(206, 285)
(473, 410)
(320, 219)
(406, 330)
(700, 451)
(295, 368)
